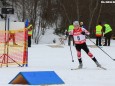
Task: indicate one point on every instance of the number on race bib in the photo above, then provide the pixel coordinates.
(78, 37)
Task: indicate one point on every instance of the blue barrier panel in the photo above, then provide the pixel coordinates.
(37, 78)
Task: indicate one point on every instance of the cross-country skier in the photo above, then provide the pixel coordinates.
(80, 43)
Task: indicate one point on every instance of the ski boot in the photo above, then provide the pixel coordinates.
(80, 66)
(98, 65)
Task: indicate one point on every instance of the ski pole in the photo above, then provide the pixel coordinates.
(71, 54)
(100, 48)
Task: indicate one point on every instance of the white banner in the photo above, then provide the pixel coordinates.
(12, 25)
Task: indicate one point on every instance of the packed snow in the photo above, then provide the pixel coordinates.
(49, 56)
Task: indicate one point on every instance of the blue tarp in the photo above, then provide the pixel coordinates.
(40, 78)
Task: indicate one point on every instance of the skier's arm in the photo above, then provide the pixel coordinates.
(85, 32)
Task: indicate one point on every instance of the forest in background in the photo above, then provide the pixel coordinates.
(59, 14)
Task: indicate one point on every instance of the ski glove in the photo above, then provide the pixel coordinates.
(83, 33)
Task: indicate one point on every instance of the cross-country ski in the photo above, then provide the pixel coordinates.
(103, 68)
(78, 68)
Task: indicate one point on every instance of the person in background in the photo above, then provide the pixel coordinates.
(66, 34)
(82, 25)
(2, 17)
(29, 28)
(70, 37)
(107, 34)
(80, 43)
(98, 34)
(12, 36)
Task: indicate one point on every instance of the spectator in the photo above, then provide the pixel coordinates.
(30, 27)
(82, 25)
(107, 34)
(70, 38)
(66, 34)
(98, 34)
(12, 36)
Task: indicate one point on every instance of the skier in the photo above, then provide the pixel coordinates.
(80, 43)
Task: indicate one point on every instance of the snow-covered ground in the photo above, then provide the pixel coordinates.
(48, 37)
(48, 57)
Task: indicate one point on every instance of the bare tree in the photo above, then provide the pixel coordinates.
(100, 10)
(77, 4)
(47, 13)
(92, 11)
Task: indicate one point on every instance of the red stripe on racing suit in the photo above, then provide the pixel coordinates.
(78, 37)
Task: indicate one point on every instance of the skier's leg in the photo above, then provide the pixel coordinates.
(79, 59)
(96, 62)
(78, 48)
(85, 48)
